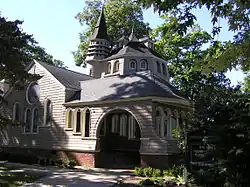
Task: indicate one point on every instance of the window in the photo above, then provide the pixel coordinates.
(166, 127)
(131, 127)
(164, 70)
(158, 67)
(159, 121)
(115, 124)
(48, 112)
(87, 123)
(174, 121)
(133, 64)
(35, 121)
(182, 122)
(144, 65)
(108, 68)
(69, 119)
(78, 121)
(27, 121)
(33, 93)
(116, 67)
(16, 112)
(123, 127)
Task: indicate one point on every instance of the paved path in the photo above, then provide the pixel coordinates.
(88, 178)
(80, 177)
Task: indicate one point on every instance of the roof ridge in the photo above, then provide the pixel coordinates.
(63, 68)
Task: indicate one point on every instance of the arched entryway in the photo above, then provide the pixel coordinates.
(119, 140)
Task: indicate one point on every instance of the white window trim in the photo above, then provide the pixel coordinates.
(32, 121)
(115, 123)
(146, 65)
(75, 121)
(133, 61)
(131, 127)
(115, 69)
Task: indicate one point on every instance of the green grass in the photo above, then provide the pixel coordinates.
(11, 178)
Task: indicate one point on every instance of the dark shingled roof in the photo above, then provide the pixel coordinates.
(133, 48)
(100, 31)
(129, 86)
(68, 78)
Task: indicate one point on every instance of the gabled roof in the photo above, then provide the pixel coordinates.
(100, 31)
(129, 86)
(133, 48)
(70, 79)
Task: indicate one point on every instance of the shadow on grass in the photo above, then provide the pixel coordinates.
(11, 177)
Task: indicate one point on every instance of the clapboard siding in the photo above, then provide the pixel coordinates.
(48, 137)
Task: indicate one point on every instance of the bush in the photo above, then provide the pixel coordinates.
(139, 172)
(157, 173)
(146, 182)
(148, 172)
(72, 163)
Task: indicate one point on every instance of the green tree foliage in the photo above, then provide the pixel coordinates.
(182, 52)
(236, 12)
(223, 125)
(120, 17)
(17, 50)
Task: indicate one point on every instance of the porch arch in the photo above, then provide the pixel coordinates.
(107, 111)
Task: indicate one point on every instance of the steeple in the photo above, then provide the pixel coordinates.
(132, 36)
(99, 45)
(100, 31)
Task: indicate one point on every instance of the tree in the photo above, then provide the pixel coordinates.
(182, 52)
(221, 117)
(236, 12)
(120, 15)
(17, 50)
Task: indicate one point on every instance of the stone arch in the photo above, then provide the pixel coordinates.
(104, 113)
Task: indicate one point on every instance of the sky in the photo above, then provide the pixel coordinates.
(53, 25)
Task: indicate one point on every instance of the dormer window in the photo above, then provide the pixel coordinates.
(143, 65)
(132, 64)
(108, 71)
(116, 67)
(158, 67)
(164, 70)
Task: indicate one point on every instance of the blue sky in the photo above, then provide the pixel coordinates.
(53, 25)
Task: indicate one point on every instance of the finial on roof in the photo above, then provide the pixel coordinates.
(132, 36)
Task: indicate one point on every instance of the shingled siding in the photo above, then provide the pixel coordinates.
(48, 137)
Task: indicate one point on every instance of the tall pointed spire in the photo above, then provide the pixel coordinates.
(100, 31)
(132, 36)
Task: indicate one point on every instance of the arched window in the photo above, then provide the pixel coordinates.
(159, 116)
(48, 112)
(16, 112)
(174, 121)
(87, 123)
(116, 67)
(27, 121)
(123, 125)
(69, 119)
(115, 124)
(158, 66)
(78, 121)
(166, 123)
(164, 70)
(35, 121)
(133, 64)
(143, 65)
(108, 68)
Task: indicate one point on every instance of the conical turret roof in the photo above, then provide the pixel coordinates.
(100, 31)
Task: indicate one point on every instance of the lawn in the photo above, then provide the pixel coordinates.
(11, 177)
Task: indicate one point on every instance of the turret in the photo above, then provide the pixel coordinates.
(99, 46)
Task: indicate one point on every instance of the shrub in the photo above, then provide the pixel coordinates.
(157, 173)
(72, 163)
(139, 171)
(146, 182)
(148, 172)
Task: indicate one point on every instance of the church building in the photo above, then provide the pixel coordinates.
(122, 115)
